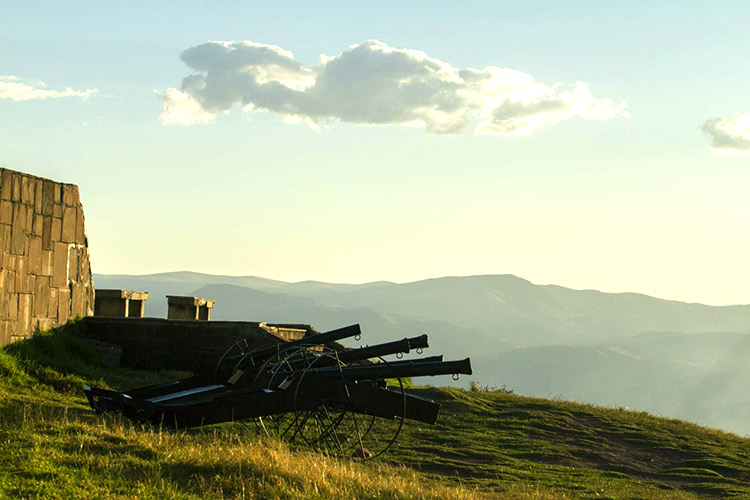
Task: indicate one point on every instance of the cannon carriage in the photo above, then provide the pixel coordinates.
(312, 392)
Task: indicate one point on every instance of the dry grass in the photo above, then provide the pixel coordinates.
(53, 446)
(53, 451)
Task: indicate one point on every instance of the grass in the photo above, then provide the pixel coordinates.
(494, 441)
(486, 445)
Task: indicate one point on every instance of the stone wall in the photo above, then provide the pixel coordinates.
(154, 343)
(45, 274)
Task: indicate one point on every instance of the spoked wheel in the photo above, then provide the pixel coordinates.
(231, 357)
(340, 429)
(334, 426)
(284, 426)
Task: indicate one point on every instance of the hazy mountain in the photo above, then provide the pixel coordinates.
(698, 377)
(526, 314)
(186, 283)
(252, 305)
(502, 306)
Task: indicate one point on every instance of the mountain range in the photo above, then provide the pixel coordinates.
(625, 349)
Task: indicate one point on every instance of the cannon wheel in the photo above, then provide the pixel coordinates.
(339, 431)
(283, 426)
(328, 428)
(228, 361)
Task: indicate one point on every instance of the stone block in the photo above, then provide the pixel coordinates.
(56, 233)
(9, 261)
(60, 263)
(24, 312)
(4, 333)
(90, 297)
(58, 194)
(13, 306)
(5, 305)
(6, 184)
(57, 210)
(30, 284)
(80, 227)
(118, 303)
(69, 225)
(44, 323)
(41, 297)
(21, 274)
(189, 308)
(25, 191)
(48, 197)
(29, 219)
(18, 229)
(47, 242)
(73, 264)
(6, 212)
(38, 196)
(16, 194)
(38, 227)
(84, 266)
(32, 191)
(52, 305)
(10, 281)
(35, 255)
(5, 240)
(63, 305)
(47, 263)
(76, 299)
(70, 195)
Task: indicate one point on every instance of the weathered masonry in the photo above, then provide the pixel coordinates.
(120, 303)
(195, 308)
(45, 274)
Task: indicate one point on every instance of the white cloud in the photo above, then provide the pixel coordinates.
(729, 136)
(181, 108)
(17, 89)
(375, 84)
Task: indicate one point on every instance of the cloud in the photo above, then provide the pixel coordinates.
(17, 89)
(729, 136)
(374, 84)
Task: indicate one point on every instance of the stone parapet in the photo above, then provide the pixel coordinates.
(45, 273)
(175, 344)
(120, 303)
(189, 308)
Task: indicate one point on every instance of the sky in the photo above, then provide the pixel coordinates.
(594, 145)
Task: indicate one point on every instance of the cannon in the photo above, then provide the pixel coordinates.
(313, 392)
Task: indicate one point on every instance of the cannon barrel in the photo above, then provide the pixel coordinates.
(404, 345)
(344, 356)
(430, 359)
(319, 339)
(390, 370)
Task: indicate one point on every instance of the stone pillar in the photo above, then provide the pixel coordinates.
(189, 308)
(120, 303)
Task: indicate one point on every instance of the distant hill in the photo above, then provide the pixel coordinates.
(246, 304)
(699, 377)
(185, 282)
(504, 306)
(526, 314)
(625, 349)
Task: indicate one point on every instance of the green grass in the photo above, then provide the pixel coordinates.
(486, 445)
(495, 441)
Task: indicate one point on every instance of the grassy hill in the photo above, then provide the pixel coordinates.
(487, 444)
